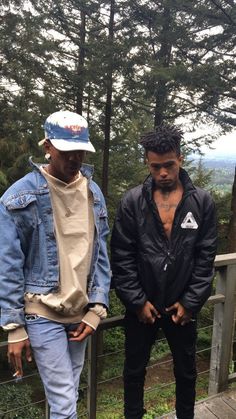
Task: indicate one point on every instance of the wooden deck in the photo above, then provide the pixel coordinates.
(221, 406)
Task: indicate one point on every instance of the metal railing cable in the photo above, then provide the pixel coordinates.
(157, 364)
(12, 380)
(156, 343)
(156, 388)
(117, 352)
(100, 382)
(16, 409)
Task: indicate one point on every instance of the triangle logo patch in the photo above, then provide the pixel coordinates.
(189, 222)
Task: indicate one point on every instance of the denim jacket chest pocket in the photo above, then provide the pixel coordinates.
(24, 212)
(33, 218)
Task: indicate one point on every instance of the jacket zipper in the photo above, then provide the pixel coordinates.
(158, 219)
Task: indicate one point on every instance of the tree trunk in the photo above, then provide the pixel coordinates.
(163, 59)
(80, 67)
(89, 102)
(108, 108)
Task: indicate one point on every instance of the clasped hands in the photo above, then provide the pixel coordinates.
(148, 314)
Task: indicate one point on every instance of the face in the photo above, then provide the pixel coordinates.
(64, 165)
(164, 169)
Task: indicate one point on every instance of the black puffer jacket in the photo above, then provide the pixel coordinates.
(148, 266)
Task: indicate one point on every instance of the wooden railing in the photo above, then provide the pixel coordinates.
(224, 302)
(223, 324)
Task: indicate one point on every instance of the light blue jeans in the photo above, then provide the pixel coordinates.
(59, 363)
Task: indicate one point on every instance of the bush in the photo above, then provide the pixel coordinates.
(16, 403)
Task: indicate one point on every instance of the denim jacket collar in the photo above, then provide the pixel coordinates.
(87, 170)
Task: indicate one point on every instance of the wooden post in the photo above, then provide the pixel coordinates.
(222, 330)
(92, 376)
(47, 410)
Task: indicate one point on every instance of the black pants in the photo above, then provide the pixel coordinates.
(139, 340)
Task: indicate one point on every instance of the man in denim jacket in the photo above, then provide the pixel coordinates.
(54, 274)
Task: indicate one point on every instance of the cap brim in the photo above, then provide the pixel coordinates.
(41, 142)
(65, 145)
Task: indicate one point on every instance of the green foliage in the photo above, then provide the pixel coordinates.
(3, 182)
(116, 308)
(159, 350)
(16, 401)
(157, 62)
(159, 401)
(219, 183)
(114, 339)
(223, 208)
(202, 176)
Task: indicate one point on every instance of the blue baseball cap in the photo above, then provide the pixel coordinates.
(67, 131)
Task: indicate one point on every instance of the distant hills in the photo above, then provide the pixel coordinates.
(220, 163)
(216, 161)
(222, 168)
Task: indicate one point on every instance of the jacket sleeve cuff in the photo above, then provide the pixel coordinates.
(17, 335)
(91, 319)
(10, 326)
(99, 309)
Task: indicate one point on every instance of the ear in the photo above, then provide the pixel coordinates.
(47, 146)
(181, 159)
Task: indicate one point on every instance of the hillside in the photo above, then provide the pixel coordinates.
(222, 170)
(220, 162)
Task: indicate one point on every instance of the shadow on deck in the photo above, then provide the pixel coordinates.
(221, 406)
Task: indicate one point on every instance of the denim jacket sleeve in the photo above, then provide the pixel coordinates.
(11, 271)
(99, 284)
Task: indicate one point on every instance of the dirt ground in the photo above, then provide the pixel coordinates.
(162, 372)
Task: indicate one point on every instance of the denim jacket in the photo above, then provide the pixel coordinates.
(28, 250)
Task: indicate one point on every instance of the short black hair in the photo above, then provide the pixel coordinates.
(164, 139)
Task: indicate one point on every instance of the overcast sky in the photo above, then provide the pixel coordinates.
(225, 145)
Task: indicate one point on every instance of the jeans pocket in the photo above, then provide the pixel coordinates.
(31, 317)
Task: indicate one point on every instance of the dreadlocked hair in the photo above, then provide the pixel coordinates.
(166, 138)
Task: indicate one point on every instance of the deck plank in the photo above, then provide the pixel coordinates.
(220, 409)
(202, 411)
(231, 401)
(220, 406)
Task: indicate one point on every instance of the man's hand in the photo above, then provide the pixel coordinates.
(82, 331)
(15, 351)
(181, 315)
(147, 313)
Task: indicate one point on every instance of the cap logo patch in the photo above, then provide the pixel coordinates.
(73, 128)
(189, 222)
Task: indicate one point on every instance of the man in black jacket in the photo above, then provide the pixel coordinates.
(163, 248)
